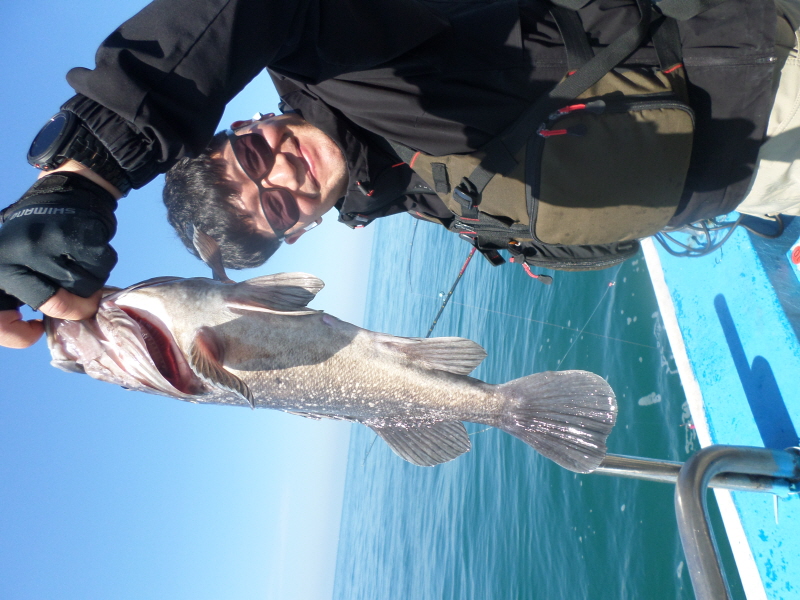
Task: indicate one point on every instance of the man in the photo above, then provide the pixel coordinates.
(303, 169)
(443, 78)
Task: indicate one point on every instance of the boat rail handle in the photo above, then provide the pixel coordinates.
(729, 467)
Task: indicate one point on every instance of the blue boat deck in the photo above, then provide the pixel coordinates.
(733, 320)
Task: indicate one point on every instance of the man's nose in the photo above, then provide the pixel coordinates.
(284, 173)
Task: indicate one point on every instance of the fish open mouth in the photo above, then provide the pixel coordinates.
(164, 352)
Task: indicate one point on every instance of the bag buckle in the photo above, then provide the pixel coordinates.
(466, 194)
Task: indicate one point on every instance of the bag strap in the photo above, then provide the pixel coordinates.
(663, 31)
(588, 69)
(667, 42)
(501, 150)
(682, 9)
(576, 43)
(677, 9)
(571, 4)
(403, 152)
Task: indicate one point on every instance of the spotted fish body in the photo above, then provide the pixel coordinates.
(256, 343)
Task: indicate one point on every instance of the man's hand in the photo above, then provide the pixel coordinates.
(55, 254)
(16, 333)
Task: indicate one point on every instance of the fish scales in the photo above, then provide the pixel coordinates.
(257, 343)
(337, 367)
(363, 381)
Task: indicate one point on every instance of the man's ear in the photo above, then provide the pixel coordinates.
(291, 239)
(239, 124)
(294, 237)
(256, 117)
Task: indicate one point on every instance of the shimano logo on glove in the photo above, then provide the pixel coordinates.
(42, 210)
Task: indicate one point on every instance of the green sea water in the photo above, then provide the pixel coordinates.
(502, 522)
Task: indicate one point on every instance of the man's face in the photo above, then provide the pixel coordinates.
(307, 163)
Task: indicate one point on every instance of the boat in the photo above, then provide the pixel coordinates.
(732, 317)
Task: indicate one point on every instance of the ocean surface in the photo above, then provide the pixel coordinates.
(502, 522)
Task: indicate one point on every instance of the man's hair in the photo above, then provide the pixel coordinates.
(197, 194)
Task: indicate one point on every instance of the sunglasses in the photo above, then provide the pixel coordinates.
(256, 159)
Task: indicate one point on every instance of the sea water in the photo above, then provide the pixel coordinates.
(502, 522)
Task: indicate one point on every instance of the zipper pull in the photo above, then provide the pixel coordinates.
(576, 131)
(595, 107)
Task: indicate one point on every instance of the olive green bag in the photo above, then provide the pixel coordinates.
(596, 165)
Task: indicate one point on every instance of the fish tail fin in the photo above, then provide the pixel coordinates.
(565, 415)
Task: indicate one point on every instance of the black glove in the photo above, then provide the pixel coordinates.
(57, 235)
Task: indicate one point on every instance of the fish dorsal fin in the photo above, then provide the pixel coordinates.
(208, 249)
(111, 291)
(426, 444)
(451, 354)
(151, 281)
(205, 357)
(282, 292)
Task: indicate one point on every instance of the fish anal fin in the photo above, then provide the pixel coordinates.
(205, 357)
(451, 354)
(319, 416)
(312, 416)
(282, 292)
(426, 444)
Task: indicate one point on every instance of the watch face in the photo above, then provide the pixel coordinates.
(45, 146)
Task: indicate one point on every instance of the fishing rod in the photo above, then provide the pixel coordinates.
(545, 279)
(450, 293)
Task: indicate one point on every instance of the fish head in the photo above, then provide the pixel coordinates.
(134, 340)
(159, 336)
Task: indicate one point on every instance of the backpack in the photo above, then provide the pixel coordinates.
(590, 168)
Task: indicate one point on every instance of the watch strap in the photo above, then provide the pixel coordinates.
(86, 149)
(139, 155)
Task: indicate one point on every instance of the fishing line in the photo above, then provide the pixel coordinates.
(481, 431)
(366, 456)
(410, 252)
(505, 314)
(610, 285)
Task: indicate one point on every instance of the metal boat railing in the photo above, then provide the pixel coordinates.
(729, 467)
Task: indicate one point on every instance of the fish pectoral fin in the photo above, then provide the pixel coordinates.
(205, 360)
(451, 354)
(210, 253)
(283, 292)
(426, 444)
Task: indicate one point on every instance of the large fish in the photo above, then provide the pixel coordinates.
(256, 343)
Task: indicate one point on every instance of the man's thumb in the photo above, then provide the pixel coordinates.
(64, 305)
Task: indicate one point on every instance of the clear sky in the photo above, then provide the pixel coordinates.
(112, 494)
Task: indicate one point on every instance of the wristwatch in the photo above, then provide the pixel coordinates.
(64, 137)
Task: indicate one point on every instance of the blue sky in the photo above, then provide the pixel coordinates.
(114, 494)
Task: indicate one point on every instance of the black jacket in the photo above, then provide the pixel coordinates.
(436, 75)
